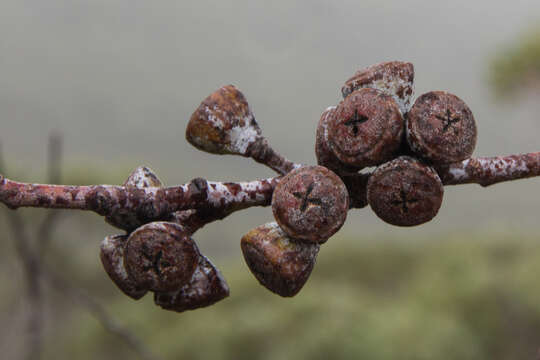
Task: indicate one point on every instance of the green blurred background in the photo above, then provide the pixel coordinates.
(119, 79)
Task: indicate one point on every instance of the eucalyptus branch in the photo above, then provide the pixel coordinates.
(491, 170)
(146, 204)
(416, 149)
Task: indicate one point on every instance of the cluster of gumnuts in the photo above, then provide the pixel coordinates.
(374, 126)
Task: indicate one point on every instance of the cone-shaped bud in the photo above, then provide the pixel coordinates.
(394, 78)
(281, 264)
(223, 123)
(143, 177)
(112, 258)
(205, 288)
(161, 256)
(405, 192)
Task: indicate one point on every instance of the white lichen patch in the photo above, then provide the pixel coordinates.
(219, 194)
(502, 166)
(242, 133)
(241, 136)
(459, 173)
(393, 86)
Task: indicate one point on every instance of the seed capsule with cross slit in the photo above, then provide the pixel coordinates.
(310, 203)
(281, 264)
(394, 78)
(405, 192)
(205, 288)
(161, 256)
(325, 156)
(366, 129)
(441, 128)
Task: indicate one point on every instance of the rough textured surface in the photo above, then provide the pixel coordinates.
(281, 264)
(441, 128)
(161, 256)
(325, 156)
(112, 257)
(310, 203)
(394, 78)
(143, 177)
(223, 123)
(405, 192)
(129, 207)
(205, 288)
(490, 170)
(366, 129)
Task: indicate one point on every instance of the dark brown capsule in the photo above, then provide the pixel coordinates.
(405, 192)
(161, 256)
(205, 288)
(394, 78)
(441, 128)
(223, 123)
(366, 129)
(325, 156)
(281, 264)
(112, 258)
(310, 203)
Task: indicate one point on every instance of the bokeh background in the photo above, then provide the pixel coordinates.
(119, 80)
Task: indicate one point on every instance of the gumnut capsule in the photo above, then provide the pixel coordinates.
(223, 123)
(394, 78)
(441, 128)
(112, 258)
(280, 263)
(161, 256)
(142, 177)
(405, 192)
(325, 156)
(310, 203)
(205, 288)
(366, 129)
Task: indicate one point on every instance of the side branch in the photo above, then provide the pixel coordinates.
(491, 170)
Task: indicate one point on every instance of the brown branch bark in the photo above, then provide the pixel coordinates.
(145, 204)
(215, 200)
(491, 170)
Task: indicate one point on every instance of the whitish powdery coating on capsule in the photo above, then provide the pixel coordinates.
(241, 135)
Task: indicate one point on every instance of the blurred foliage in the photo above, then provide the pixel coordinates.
(517, 66)
(453, 298)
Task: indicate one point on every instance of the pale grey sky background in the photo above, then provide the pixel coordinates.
(121, 78)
